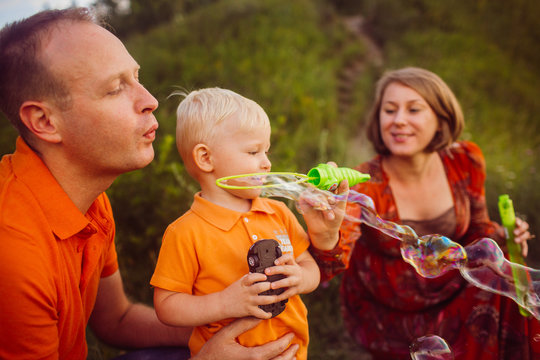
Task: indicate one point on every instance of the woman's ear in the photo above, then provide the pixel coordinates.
(202, 157)
(37, 117)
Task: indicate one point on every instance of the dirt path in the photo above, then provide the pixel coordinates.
(359, 148)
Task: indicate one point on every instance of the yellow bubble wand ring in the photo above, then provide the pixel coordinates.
(300, 178)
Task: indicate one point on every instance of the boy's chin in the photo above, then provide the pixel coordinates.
(248, 194)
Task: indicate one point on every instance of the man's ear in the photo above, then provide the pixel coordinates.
(202, 156)
(37, 117)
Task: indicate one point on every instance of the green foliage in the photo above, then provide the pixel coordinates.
(274, 52)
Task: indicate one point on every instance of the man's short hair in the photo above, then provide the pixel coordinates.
(23, 75)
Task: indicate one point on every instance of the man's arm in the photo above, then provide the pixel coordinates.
(119, 322)
(223, 345)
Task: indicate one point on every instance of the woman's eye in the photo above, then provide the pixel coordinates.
(389, 111)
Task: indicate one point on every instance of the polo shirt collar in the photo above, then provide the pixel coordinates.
(224, 218)
(63, 216)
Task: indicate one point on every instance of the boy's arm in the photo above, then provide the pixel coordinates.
(311, 274)
(239, 299)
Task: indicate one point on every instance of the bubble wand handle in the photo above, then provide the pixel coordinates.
(508, 219)
(327, 177)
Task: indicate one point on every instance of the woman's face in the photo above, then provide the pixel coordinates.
(408, 124)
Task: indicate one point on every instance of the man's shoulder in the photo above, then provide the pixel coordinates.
(19, 210)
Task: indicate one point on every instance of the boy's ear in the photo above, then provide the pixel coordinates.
(38, 118)
(202, 157)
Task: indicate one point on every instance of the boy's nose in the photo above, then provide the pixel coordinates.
(266, 164)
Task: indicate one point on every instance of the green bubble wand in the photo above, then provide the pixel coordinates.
(323, 176)
(521, 276)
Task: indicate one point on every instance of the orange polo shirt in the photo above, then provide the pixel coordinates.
(51, 260)
(205, 250)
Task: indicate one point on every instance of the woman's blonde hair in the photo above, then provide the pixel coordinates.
(201, 112)
(434, 91)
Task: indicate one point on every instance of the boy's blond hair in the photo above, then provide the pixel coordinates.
(201, 112)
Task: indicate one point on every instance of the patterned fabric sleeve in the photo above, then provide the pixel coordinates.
(335, 261)
(468, 159)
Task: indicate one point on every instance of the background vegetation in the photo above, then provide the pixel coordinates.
(313, 72)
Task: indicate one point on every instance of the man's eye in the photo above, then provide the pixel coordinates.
(114, 92)
(117, 89)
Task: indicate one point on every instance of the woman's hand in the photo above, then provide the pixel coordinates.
(522, 235)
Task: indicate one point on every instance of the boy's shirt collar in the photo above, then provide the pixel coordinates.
(224, 218)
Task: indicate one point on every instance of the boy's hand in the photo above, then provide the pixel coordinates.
(301, 274)
(241, 298)
(323, 218)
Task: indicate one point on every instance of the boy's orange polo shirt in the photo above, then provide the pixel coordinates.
(51, 260)
(205, 250)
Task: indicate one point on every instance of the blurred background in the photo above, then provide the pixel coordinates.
(312, 65)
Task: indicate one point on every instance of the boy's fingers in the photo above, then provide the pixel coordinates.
(261, 287)
(252, 278)
(286, 259)
(331, 163)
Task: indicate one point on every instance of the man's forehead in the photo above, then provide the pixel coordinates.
(78, 48)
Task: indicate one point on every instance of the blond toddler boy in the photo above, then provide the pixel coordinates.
(202, 277)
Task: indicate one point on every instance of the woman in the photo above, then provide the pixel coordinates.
(423, 178)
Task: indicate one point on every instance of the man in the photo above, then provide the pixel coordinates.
(71, 89)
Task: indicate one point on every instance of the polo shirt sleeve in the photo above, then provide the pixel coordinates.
(177, 266)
